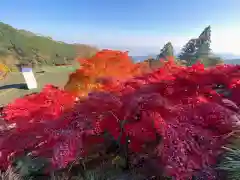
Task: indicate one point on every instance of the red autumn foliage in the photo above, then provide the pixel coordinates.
(191, 108)
(35, 108)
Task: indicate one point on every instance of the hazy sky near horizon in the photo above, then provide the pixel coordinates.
(141, 26)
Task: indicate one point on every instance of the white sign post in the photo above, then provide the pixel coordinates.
(29, 77)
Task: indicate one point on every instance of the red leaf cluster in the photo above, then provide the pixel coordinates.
(35, 108)
(193, 109)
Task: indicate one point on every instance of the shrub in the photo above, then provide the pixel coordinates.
(104, 64)
(179, 116)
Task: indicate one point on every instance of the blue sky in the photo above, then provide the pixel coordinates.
(141, 26)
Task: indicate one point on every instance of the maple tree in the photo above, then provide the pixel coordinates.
(103, 65)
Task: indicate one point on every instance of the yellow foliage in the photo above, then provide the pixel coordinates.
(4, 70)
(119, 161)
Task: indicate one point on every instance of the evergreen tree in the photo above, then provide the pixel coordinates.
(204, 38)
(201, 54)
(188, 51)
(197, 48)
(203, 51)
(205, 56)
(211, 61)
(166, 51)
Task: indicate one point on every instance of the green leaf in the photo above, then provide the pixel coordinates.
(30, 166)
(230, 163)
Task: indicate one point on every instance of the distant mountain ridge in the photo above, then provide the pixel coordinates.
(142, 58)
(232, 61)
(228, 58)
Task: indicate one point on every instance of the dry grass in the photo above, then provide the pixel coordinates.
(9, 175)
(102, 172)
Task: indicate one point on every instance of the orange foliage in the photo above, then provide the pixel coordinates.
(105, 64)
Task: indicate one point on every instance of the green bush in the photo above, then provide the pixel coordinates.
(230, 162)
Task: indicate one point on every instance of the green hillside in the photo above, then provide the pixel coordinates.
(24, 47)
